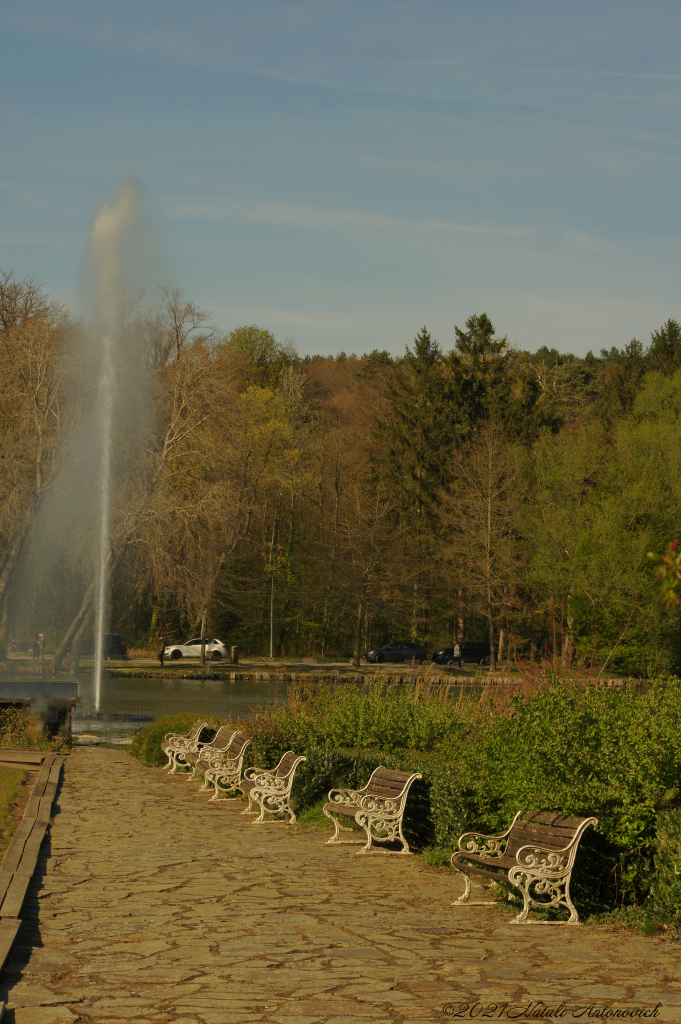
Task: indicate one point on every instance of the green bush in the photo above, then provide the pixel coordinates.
(665, 888)
(146, 744)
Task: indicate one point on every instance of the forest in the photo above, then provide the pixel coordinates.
(464, 490)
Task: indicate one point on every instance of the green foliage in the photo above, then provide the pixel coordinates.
(146, 744)
(372, 716)
(262, 356)
(17, 728)
(665, 889)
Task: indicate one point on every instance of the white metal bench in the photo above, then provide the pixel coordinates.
(219, 744)
(271, 790)
(536, 855)
(176, 744)
(378, 808)
(221, 769)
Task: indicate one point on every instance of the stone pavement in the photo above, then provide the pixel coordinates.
(151, 905)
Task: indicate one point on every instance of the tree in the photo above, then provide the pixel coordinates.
(180, 319)
(477, 368)
(34, 335)
(261, 356)
(480, 516)
(418, 430)
(664, 353)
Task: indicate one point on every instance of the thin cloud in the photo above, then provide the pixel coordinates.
(291, 215)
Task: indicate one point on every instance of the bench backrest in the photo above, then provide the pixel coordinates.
(223, 737)
(389, 785)
(238, 746)
(196, 730)
(547, 829)
(287, 765)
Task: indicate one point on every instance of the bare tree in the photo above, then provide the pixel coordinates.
(182, 319)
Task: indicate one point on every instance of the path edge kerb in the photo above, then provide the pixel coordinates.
(21, 856)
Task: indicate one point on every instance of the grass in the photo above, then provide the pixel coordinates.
(14, 794)
(314, 816)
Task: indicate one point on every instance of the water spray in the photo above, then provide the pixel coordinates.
(113, 222)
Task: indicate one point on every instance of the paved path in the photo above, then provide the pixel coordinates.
(152, 905)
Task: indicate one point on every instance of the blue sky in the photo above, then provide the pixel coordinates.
(344, 172)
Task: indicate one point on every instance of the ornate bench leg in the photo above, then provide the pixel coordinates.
(464, 900)
(557, 891)
(405, 845)
(335, 840)
(574, 916)
(466, 893)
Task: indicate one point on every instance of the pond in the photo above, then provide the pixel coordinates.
(128, 704)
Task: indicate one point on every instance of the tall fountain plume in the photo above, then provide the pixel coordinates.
(113, 226)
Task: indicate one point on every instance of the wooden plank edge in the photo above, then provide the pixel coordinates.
(15, 891)
(13, 853)
(8, 933)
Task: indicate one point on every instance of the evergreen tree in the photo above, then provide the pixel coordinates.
(664, 353)
(622, 380)
(419, 429)
(478, 369)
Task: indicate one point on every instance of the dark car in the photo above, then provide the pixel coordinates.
(113, 646)
(475, 651)
(398, 651)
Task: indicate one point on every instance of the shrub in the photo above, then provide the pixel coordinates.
(665, 889)
(146, 744)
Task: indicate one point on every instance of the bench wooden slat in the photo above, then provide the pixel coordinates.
(385, 773)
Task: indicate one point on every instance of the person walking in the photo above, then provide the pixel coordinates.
(36, 646)
(162, 648)
(41, 645)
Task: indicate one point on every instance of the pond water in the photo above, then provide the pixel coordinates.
(128, 704)
(240, 699)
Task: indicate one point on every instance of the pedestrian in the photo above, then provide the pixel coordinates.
(36, 647)
(162, 648)
(41, 645)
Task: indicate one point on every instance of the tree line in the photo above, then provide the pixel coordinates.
(477, 492)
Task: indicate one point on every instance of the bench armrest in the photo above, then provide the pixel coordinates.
(260, 776)
(347, 797)
(381, 804)
(543, 860)
(482, 845)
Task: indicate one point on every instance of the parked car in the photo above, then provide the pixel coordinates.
(398, 651)
(215, 650)
(113, 646)
(475, 651)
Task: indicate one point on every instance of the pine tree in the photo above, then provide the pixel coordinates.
(419, 430)
(664, 353)
(478, 369)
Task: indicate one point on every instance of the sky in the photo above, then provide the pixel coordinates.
(342, 173)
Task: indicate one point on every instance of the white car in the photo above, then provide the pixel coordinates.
(215, 650)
